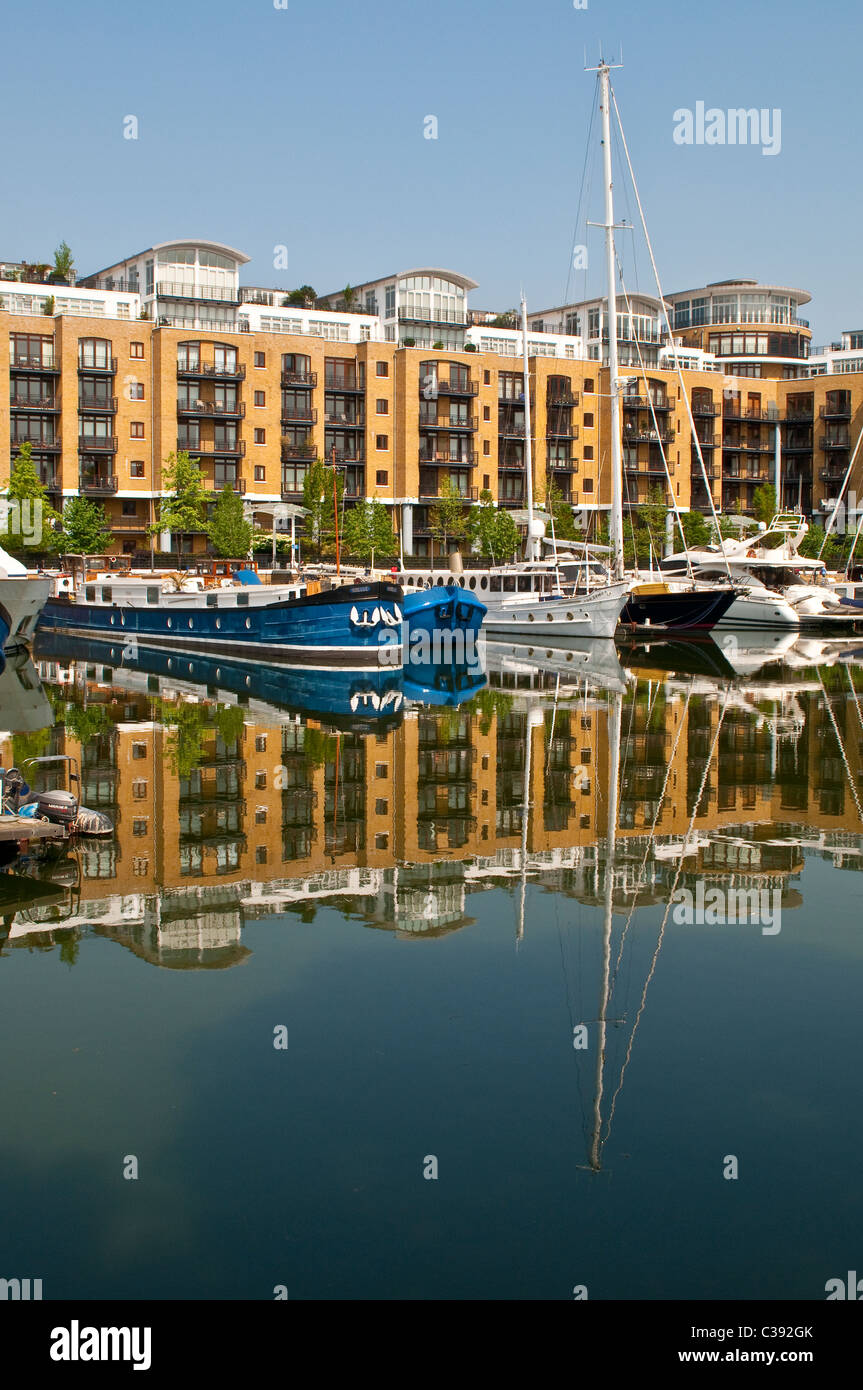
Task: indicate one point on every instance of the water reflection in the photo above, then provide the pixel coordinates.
(234, 802)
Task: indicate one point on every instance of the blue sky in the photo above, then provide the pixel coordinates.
(304, 127)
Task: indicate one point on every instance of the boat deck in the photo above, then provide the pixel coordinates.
(23, 828)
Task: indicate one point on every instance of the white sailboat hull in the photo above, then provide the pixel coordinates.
(758, 612)
(588, 615)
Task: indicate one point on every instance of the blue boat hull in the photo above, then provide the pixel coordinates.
(443, 608)
(342, 627)
(352, 700)
(5, 628)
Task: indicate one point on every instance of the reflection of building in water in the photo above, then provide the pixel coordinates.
(226, 812)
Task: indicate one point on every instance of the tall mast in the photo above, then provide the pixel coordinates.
(616, 519)
(614, 731)
(530, 549)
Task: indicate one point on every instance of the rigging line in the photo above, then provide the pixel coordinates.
(629, 219)
(588, 151)
(671, 339)
(638, 881)
(649, 397)
(851, 782)
(847, 573)
(835, 512)
(664, 922)
(854, 697)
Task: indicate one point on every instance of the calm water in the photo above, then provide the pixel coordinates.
(436, 901)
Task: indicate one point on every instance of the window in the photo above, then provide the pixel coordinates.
(260, 398)
(139, 750)
(139, 789)
(588, 385)
(94, 352)
(588, 451)
(260, 780)
(136, 468)
(130, 508)
(260, 359)
(382, 441)
(588, 421)
(382, 769)
(382, 369)
(139, 825)
(260, 436)
(382, 477)
(135, 390)
(260, 854)
(486, 378)
(587, 484)
(486, 446)
(260, 815)
(382, 841)
(382, 806)
(486, 412)
(140, 867)
(260, 743)
(136, 349)
(136, 429)
(382, 407)
(486, 480)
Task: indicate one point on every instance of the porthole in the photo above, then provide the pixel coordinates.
(483, 583)
(170, 622)
(113, 619)
(170, 663)
(569, 656)
(218, 623)
(473, 581)
(191, 623)
(550, 617)
(569, 617)
(530, 617)
(122, 619)
(248, 622)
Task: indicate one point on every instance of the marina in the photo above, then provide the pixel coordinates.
(431, 703)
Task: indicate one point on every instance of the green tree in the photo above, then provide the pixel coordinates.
(506, 320)
(493, 529)
(319, 503)
(349, 299)
(695, 529)
(63, 262)
(447, 520)
(86, 722)
(31, 524)
(565, 528)
(764, 503)
(304, 298)
(368, 531)
(85, 528)
(230, 533)
(183, 510)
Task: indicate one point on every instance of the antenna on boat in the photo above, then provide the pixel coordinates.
(530, 549)
(616, 518)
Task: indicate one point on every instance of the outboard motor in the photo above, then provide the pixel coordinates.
(61, 808)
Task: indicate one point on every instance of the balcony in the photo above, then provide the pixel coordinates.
(827, 442)
(355, 455)
(213, 294)
(210, 371)
(447, 387)
(698, 477)
(802, 415)
(559, 429)
(299, 379)
(510, 465)
(305, 414)
(837, 411)
(20, 362)
(469, 423)
(429, 493)
(833, 473)
(40, 446)
(106, 368)
(303, 452)
(211, 449)
(732, 412)
(648, 436)
(348, 387)
(291, 494)
(797, 446)
(103, 485)
(705, 409)
(557, 465)
(734, 475)
(217, 410)
(707, 441)
(465, 460)
(97, 405)
(745, 446)
(44, 403)
(649, 469)
(563, 401)
(511, 429)
(444, 317)
(97, 443)
(219, 485)
(644, 403)
(343, 422)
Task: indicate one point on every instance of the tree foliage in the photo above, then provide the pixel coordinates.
(303, 298)
(25, 489)
(764, 503)
(493, 530)
(86, 530)
(368, 531)
(183, 510)
(447, 520)
(64, 263)
(229, 531)
(320, 504)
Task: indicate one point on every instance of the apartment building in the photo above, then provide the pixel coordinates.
(166, 351)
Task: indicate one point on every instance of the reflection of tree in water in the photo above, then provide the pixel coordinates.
(188, 723)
